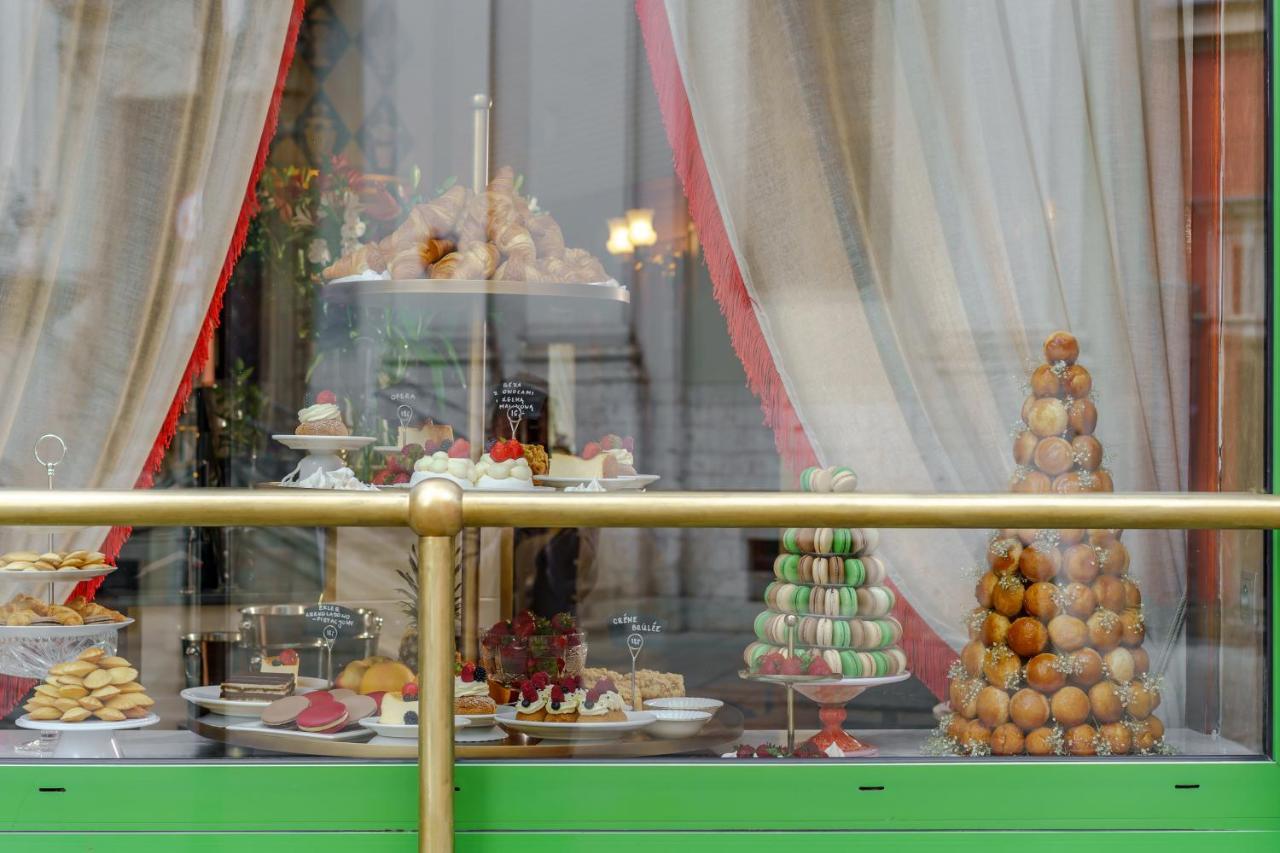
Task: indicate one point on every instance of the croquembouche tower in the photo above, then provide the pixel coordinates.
(1055, 663)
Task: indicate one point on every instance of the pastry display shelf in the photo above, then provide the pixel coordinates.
(724, 729)
(389, 290)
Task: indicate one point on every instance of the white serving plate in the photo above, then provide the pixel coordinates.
(323, 443)
(48, 632)
(207, 697)
(475, 720)
(92, 725)
(55, 576)
(636, 720)
(479, 734)
(349, 733)
(610, 484)
(404, 731)
(473, 488)
(683, 703)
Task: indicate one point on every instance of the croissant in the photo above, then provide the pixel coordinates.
(487, 214)
(479, 261)
(442, 212)
(516, 269)
(447, 266)
(93, 610)
(433, 250)
(65, 615)
(547, 237)
(367, 257)
(407, 264)
(514, 241)
(503, 181)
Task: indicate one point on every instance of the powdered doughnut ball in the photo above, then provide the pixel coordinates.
(1132, 595)
(1120, 665)
(1109, 590)
(1006, 740)
(1079, 600)
(1039, 742)
(1054, 455)
(1118, 737)
(956, 727)
(1039, 601)
(1147, 734)
(1028, 709)
(963, 697)
(1104, 631)
(1040, 562)
(1003, 555)
(1032, 483)
(1007, 597)
(1132, 631)
(1076, 381)
(1048, 416)
(1045, 383)
(1102, 482)
(995, 628)
(971, 656)
(1001, 667)
(1086, 668)
(1024, 447)
(1105, 701)
(1087, 452)
(1141, 660)
(1141, 700)
(1026, 406)
(1027, 637)
(977, 734)
(1061, 346)
(1082, 740)
(993, 706)
(1082, 416)
(1070, 706)
(1069, 483)
(1080, 563)
(984, 588)
(1113, 558)
(1067, 633)
(1070, 536)
(1043, 673)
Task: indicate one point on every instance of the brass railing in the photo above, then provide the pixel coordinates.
(437, 511)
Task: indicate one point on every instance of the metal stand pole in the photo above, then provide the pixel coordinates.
(435, 726)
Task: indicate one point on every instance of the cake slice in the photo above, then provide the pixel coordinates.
(259, 685)
(609, 457)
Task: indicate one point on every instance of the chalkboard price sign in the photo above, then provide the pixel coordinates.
(331, 621)
(517, 401)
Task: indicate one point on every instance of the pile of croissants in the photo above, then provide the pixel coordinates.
(475, 236)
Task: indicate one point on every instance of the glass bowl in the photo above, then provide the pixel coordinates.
(516, 658)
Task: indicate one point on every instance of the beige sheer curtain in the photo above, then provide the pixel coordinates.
(129, 135)
(916, 193)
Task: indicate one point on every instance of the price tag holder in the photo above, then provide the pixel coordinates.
(633, 630)
(330, 622)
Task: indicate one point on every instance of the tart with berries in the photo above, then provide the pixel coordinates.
(504, 467)
(471, 690)
(562, 704)
(531, 706)
(602, 704)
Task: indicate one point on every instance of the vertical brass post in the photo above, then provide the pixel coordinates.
(435, 726)
(435, 514)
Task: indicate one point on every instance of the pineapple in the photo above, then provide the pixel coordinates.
(409, 604)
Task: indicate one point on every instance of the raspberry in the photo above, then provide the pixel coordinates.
(409, 692)
(591, 451)
(745, 751)
(468, 673)
(557, 694)
(460, 449)
(818, 666)
(792, 666)
(402, 477)
(540, 680)
(606, 685)
(326, 397)
(288, 657)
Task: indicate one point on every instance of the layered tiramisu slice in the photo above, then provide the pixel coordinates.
(269, 686)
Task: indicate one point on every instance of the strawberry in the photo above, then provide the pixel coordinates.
(468, 673)
(288, 657)
(818, 666)
(515, 449)
(402, 477)
(525, 624)
(591, 451)
(460, 449)
(326, 397)
(409, 692)
(792, 666)
(770, 664)
(563, 623)
(764, 750)
(745, 751)
(610, 442)
(500, 452)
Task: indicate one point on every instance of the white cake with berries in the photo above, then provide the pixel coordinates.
(611, 456)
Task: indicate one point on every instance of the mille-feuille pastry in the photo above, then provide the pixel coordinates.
(258, 685)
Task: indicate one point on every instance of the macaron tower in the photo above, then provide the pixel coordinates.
(1054, 663)
(835, 585)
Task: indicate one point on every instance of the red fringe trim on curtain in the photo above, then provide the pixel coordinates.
(13, 689)
(930, 657)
